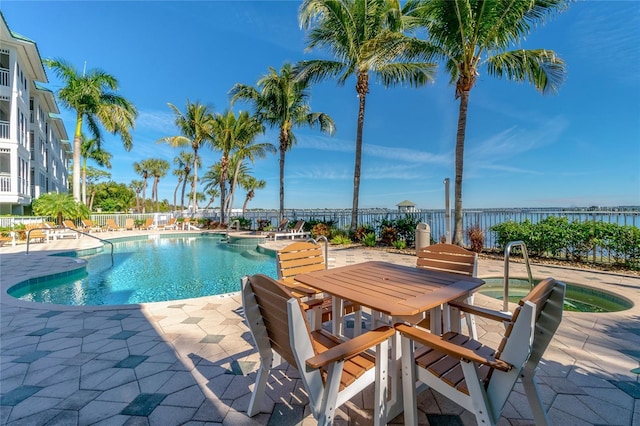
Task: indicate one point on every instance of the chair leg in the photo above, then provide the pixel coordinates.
(357, 322)
(471, 319)
(330, 394)
(533, 396)
(257, 397)
(380, 411)
(409, 395)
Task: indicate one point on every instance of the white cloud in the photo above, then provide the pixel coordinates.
(162, 122)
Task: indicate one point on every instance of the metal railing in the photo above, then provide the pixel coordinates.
(326, 247)
(70, 229)
(507, 253)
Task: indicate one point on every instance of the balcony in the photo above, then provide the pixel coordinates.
(4, 130)
(4, 77)
(5, 183)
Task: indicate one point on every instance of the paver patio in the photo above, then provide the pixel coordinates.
(193, 361)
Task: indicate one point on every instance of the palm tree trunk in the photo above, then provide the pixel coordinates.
(362, 89)
(223, 188)
(184, 187)
(156, 179)
(175, 194)
(249, 196)
(93, 194)
(284, 137)
(195, 181)
(144, 196)
(84, 181)
(460, 137)
(77, 145)
(232, 194)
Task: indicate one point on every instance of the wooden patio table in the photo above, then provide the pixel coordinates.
(401, 292)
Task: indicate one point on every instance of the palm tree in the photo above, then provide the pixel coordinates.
(195, 127)
(158, 168)
(184, 161)
(179, 172)
(92, 176)
(212, 193)
(467, 35)
(250, 184)
(281, 101)
(247, 128)
(229, 133)
(59, 205)
(92, 96)
(142, 168)
(355, 32)
(137, 186)
(90, 149)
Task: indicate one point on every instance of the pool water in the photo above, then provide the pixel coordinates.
(153, 270)
(577, 298)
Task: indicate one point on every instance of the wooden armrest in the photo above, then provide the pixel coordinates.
(483, 312)
(351, 348)
(459, 352)
(310, 304)
(299, 289)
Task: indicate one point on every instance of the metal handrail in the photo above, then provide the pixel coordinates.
(71, 229)
(525, 255)
(326, 248)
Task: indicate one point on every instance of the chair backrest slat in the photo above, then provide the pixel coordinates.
(299, 258)
(448, 258)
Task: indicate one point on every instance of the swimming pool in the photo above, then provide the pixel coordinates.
(153, 270)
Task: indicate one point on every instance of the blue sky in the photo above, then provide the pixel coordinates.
(580, 147)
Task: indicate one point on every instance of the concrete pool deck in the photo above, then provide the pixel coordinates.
(193, 361)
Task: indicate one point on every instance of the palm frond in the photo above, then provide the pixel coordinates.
(542, 68)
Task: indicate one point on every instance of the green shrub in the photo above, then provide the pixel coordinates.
(362, 232)
(369, 240)
(388, 235)
(341, 240)
(400, 244)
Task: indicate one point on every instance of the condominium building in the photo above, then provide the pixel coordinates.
(34, 146)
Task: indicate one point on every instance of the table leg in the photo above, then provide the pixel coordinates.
(337, 306)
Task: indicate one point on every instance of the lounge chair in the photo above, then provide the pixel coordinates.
(332, 371)
(148, 224)
(35, 231)
(113, 226)
(475, 376)
(302, 257)
(171, 224)
(61, 232)
(186, 224)
(296, 231)
(129, 224)
(450, 258)
(7, 237)
(89, 226)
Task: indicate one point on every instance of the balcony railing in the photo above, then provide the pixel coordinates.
(5, 183)
(4, 130)
(4, 77)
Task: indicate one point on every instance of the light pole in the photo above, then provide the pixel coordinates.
(447, 212)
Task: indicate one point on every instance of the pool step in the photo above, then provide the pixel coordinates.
(255, 255)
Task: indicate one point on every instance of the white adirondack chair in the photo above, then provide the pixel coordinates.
(450, 258)
(332, 370)
(475, 376)
(302, 257)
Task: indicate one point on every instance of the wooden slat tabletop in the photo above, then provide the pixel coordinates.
(391, 289)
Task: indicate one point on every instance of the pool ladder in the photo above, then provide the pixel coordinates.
(525, 255)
